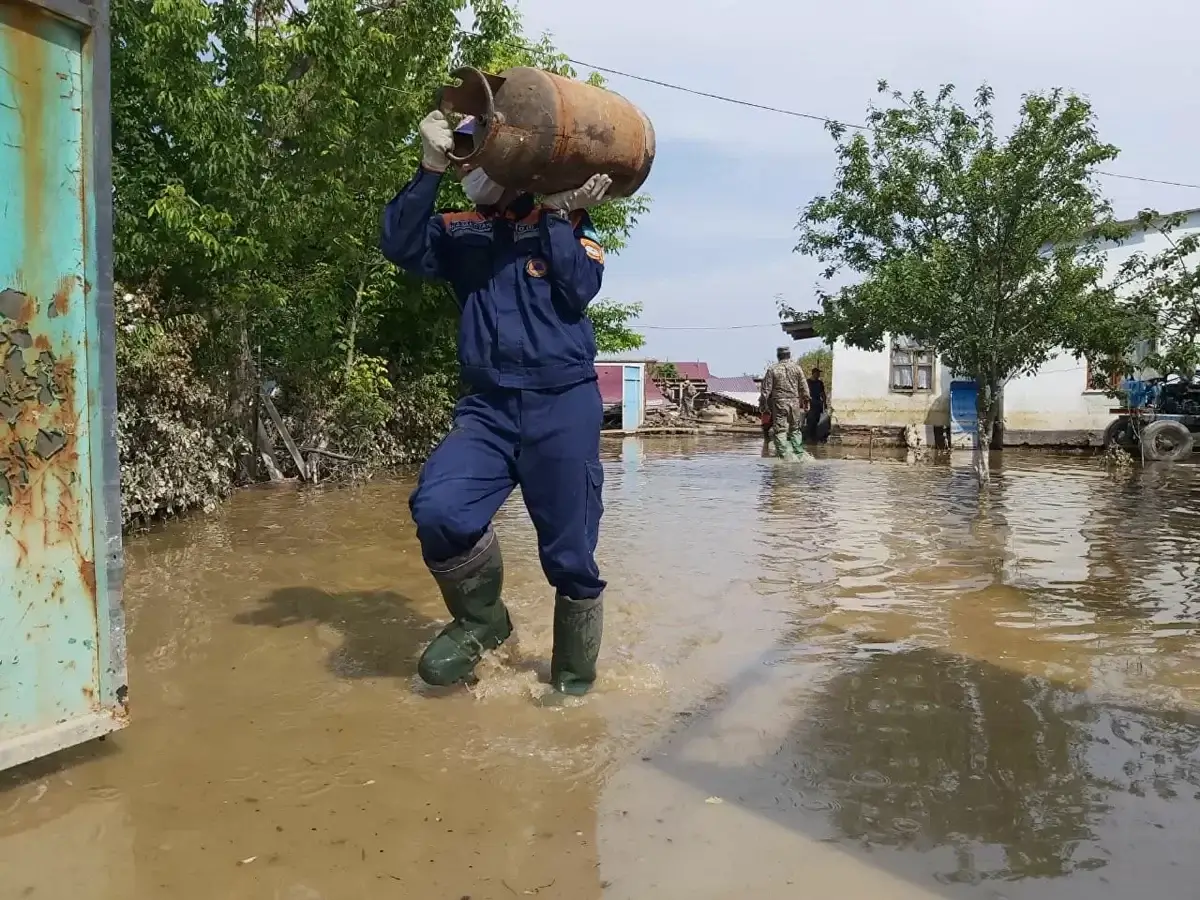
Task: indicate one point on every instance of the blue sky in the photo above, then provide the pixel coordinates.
(715, 250)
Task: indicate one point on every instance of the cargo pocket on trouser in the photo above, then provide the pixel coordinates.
(594, 502)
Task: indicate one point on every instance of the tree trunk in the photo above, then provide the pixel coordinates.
(987, 405)
(353, 330)
(266, 452)
(998, 426)
(242, 405)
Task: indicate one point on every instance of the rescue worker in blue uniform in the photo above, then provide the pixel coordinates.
(523, 275)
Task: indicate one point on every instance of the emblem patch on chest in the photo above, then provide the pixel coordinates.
(536, 268)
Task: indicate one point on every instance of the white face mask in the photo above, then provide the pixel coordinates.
(480, 189)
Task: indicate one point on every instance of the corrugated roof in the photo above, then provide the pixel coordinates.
(740, 384)
(747, 398)
(693, 371)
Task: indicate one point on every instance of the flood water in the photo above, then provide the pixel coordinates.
(853, 677)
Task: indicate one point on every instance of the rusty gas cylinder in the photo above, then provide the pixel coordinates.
(539, 132)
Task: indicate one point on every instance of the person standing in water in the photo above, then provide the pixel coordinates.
(816, 390)
(523, 275)
(784, 394)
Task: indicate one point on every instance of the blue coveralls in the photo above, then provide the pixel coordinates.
(523, 280)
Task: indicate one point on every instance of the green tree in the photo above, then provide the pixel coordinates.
(664, 371)
(255, 145)
(980, 247)
(822, 359)
(610, 320)
(1163, 293)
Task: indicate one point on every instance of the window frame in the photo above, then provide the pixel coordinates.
(914, 351)
(1089, 385)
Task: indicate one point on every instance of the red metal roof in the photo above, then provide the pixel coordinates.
(654, 396)
(610, 383)
(612, 389)
(693, 371)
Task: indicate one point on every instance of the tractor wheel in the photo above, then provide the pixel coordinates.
(1167, 441)
(1119, 434)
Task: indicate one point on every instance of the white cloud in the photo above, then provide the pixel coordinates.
(728, 180)
(1136, 63)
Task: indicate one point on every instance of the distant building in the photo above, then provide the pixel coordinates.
(741, 391)
(1061, 404)
(695, 372)
(612, 388)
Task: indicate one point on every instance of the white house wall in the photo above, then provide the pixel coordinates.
(1052, 406)
(862, 395)
(1056, 402)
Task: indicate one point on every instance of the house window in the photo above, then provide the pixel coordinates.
(1098, 380)
(912, 367)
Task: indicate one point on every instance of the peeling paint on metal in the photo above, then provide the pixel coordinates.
(11, 303)
(52, 435)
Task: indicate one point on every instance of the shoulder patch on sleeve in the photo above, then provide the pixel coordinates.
(452, 217)
(459, 224)
(594, 251)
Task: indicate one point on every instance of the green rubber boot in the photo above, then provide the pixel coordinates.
(471, 586)
(796, 440)
(578, 629)
(782, 448)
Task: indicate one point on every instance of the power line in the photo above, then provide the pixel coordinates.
(702, 327)
(720, 97)
(812, 117)
(1182, 184)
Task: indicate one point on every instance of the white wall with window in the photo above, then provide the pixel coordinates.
(900, 385)
(905, 384)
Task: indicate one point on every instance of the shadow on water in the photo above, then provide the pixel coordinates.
(382, 633)
(947, 771)
(57, 764)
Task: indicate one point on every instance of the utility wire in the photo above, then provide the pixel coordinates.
(642, 327)
(812, 117)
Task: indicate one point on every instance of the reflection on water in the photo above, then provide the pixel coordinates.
(976, 696)
(848, 677)
(1012, 777)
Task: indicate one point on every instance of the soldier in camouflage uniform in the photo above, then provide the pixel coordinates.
(785, 396)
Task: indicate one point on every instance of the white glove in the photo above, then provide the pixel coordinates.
(591, 194)
(437, 140)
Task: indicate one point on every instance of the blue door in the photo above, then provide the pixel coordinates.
(963, 416)
(633, 397)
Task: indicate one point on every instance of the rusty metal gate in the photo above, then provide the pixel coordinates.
(62, 644)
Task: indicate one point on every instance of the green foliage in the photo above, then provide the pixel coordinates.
(981, 247)
(610, 320)
(820, 359)
(255, 145)
(1163, 294)
(664, 371)
(364, 404)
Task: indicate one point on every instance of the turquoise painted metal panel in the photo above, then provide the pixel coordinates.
(62, 650)
(633, 396)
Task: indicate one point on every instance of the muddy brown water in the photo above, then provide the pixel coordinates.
(848, 678)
